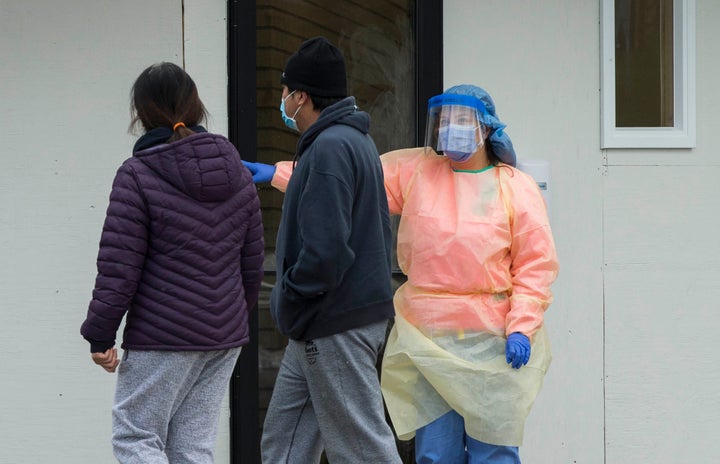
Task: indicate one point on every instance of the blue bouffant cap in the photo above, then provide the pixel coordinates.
(500, 142)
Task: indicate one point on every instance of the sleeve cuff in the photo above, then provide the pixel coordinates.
(99, 347)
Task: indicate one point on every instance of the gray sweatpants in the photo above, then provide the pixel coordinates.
(327, 395)
(167, 405)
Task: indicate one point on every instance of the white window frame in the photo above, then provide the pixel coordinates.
(682, 135)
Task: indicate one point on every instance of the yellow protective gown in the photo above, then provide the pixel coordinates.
(480, 258)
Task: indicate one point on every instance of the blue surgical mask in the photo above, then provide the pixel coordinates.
(289, 121)
(457, 141)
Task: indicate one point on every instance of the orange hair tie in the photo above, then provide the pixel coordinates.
(178, 124)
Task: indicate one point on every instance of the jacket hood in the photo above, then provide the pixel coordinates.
(204, 166)
(343, 112)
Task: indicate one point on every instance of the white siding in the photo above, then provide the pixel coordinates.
(662, 286)
(662, 275)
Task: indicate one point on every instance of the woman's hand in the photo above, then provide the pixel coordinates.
(107, 360)
(261, 172)
(517, 350)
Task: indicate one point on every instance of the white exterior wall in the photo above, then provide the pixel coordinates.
(65, 75)
(634, 320)
(662, 285)
(635, 316)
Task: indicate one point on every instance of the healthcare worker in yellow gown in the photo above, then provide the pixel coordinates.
(468, 352)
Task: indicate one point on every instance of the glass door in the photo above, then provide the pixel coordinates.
(393, 55)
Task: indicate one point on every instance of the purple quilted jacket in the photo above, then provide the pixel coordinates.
(181, 250)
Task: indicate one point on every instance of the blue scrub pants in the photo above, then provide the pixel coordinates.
(444, 441)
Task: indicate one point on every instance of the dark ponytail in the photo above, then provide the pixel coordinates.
(164, 95)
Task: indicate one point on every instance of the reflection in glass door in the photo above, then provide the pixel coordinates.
(376, 38)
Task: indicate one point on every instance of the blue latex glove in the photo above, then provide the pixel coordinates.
(261, 172)
(517, 350)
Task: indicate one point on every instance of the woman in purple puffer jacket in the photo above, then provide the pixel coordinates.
(181, 256)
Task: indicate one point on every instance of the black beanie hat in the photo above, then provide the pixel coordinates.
(317, 68)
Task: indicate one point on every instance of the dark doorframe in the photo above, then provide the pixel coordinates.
(429, 59)
(244, 415)
(242, 123)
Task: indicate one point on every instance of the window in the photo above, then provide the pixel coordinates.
(648, 73)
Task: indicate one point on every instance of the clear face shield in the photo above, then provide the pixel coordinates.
(454, 125)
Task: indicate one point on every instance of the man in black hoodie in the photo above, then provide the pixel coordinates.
(333, 296)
